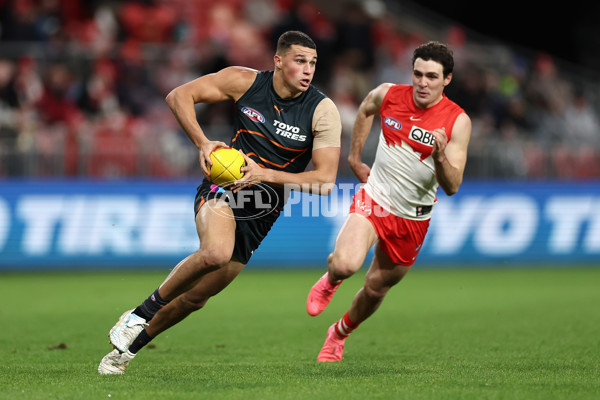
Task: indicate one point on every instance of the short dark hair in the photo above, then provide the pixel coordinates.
(438, 52)
(290, 38)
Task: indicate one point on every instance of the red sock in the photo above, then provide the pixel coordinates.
(344, 327)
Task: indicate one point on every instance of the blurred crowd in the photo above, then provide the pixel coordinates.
(82, 83)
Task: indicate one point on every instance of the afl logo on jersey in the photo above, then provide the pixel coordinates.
(253, 115)
(392, 123)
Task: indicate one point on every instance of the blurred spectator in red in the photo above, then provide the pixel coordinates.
(98, 94)
(546, 88)
(58, 109)
(148, 21)
(113, 149)
(8, 93)
(135, 88)
(19, 21)
(57, 103)
(28, 82)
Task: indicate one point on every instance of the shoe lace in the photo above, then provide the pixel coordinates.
(136, 320)
(328, 289)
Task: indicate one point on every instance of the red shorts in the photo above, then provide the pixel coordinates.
(400, 238)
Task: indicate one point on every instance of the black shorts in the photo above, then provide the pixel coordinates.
(255, 210)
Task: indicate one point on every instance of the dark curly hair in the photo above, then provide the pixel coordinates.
(438, 52)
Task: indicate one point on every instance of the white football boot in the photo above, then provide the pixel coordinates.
(115, 362)
(126, 330)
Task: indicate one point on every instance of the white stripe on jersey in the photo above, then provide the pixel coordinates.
(400, 182)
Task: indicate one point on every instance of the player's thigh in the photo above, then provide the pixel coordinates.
(355, 239)
(383, 272)
(215, 224)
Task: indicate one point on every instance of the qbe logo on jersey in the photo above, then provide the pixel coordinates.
(422, 136)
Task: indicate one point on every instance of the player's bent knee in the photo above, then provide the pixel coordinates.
(214, 259)
(342, 266)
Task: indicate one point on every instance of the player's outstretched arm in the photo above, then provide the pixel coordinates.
(227, 84)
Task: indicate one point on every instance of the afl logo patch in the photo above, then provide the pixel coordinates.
(253, 115)
(392, 123)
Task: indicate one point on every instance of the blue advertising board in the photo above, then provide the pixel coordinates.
(150, 224)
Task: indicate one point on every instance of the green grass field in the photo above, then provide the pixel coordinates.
(441, 334)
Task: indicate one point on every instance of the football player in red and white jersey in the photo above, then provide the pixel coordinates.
(423, 145)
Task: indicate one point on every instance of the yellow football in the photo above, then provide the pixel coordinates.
(226, 164)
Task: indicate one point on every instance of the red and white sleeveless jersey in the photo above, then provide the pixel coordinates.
(402, 177)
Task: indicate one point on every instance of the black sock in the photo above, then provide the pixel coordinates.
(140, 341)
(150, 306)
